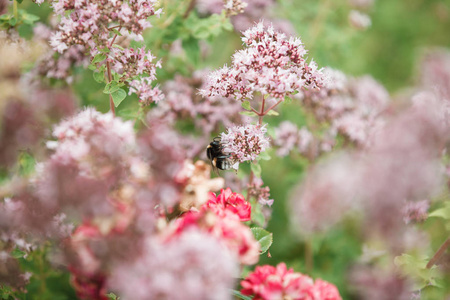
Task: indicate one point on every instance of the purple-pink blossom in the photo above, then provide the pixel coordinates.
(271, 65)
(245, 142)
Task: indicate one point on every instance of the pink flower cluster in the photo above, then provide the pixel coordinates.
(221, 217)
(353, 107)
(415, 211)
(402, 163)
(229, 203)
(193, 266)
(261, 194)
(288, 137)
(183, 102)
(269, 283)
(131, 62)
(89, 21)
(245, 143)
(270, 64)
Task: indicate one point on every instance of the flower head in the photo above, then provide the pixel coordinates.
(268, 282)
(270, 64)
(228, 229)
(245, 143)
(229, 203)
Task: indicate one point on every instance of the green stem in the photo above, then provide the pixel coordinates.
(309, 260)
(15, 10)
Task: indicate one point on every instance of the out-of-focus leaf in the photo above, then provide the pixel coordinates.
(443, 212)
(238, 295)
(264, 238)
(256, 169)
(246, 105)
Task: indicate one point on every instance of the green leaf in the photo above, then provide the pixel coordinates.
(192, 50)
(264, 238)
(248, 113)
(238, 294)
(116, 31)
(13, 21)
(227, 25)
(258, 217)
(19, 1)
(246, 105)
(98, 58)
(118, 96)
(29, 18)
(16, 253)
(256, 169)
(272, 113)
(26, 163)
(99, 77)
(443, 212)
(415, 268)
(111, 87)
(264, 156)
(112, 296)
(287, 100)
(118, 47)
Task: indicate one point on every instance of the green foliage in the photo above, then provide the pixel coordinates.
(8, 21)
(444, 213)
(264, 238)
(246, 105)
(239, 295)
(118, 96)
(415, 268)
(256, 169)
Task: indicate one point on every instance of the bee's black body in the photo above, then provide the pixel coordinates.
(219, 160)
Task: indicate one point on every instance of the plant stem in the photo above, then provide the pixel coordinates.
(261, 114)
(309, 261)
(15, 10)
(111, 102)
(189, 9)
(108, 68)
(272, 107)
(439, 253)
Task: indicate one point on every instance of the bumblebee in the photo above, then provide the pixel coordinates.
(219, 160)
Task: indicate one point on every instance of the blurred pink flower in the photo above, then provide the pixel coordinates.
(268, 283)
(415, 211)
(193, 266)
(231, 203)
(229, 230)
